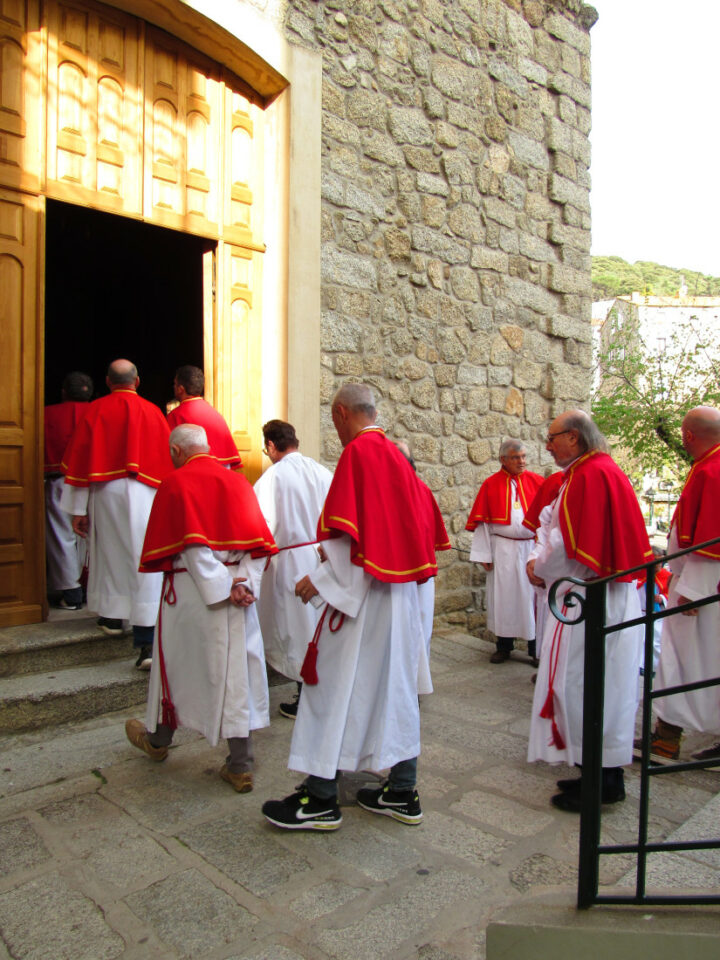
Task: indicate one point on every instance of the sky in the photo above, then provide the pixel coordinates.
(656, 134)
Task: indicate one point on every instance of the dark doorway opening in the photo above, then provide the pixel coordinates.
(116, 287)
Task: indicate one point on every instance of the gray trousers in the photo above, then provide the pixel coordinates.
(240, 759)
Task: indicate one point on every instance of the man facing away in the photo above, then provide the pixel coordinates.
(690, 645)
(117, 458)
(596, 529)
(64, 560)
(502, 545)
(188, 387)
(208, 536)
(291, 494)
(380, 528)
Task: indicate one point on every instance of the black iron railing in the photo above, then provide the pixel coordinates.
(591, 609)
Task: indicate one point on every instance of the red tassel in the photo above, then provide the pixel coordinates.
(169, 718)
(309, 668)
(557, 738)
(548, 710)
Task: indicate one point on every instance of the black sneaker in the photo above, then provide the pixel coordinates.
(113, 628)
(402, 805)
(290, 710)
(144, 660)
(303, 811)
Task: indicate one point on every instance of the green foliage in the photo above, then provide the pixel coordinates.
(643, 396)
(615, 277)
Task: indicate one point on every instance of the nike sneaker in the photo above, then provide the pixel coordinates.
(303, 811)
(402, 805)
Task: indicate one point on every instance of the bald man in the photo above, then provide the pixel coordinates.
(116, 459)
(690, 649)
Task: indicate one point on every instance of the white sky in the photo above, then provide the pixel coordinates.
(656, 132)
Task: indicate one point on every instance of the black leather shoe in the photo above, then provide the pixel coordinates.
(568, 786)
(570, 801)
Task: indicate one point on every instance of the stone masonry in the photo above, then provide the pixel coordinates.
(456, 231)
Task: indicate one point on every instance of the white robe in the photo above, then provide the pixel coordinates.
(118, 512)
(509, 593)
(542, 611)
(622, 662)
(212, 649)
(291, 494)
(65, 551)
(690, 646)
(363, 713)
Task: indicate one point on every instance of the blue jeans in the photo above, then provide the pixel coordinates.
(403, 776)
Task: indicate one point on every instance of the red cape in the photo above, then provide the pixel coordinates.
(60, 422)
(121, 435)
(545, 495)
(492, 504)
(697, 515)
(600, 517)
(203, 503)
(390, 514)
(662, 580)
(196, 410)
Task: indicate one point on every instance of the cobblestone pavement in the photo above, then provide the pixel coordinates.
(105, 854)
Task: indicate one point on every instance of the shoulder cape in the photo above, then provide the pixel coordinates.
(697, 515)
(545, 495)
(203, 503)
(493, 502)
(199, 411)
(389, 513)
(121, 435)
(600, 518)
(60, 422)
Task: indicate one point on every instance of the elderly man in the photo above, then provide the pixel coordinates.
(188, 386)
(502, 545)
(380, 528)
(291, 494)
(116, 459)
(207, 534)
(62, 546)
(595, 529)
(689, 650)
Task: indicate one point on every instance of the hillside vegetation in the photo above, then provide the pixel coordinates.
(615, 277)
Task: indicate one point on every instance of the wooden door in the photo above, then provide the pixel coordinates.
(22, 581)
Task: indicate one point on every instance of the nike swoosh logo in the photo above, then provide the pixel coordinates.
(382, 803)
(301, 815)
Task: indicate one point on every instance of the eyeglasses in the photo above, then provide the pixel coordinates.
(551, 436)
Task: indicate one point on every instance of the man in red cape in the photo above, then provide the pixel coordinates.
(501, 545)
(115, 461)
(207, 534)
(188, 386)
(62, 545)
(596, 529)
(690, 648)
(380, 528)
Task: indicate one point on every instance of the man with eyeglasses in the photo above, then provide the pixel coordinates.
(595, 529)
(501, 544)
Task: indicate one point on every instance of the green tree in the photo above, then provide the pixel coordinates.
(643, 394)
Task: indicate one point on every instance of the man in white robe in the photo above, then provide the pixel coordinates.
(503, 549)
(291, 494)
(209, 663)
(362, 710)
(690, 644)
(556, 727)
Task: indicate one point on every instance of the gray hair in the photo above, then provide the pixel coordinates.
(190, 437)
(357, 397)
(511, 446)
(122, 373)
(588, 433)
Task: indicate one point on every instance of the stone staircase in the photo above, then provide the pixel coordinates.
(62, 671)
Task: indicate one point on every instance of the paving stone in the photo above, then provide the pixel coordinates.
(460, 839)
(325, 898)
(376, 854)
(20, 846)
(120, 854)
(247, 851)
(525, 782)
(503, 814)
(46, 919)
(271, 951)
(540, 870)
(191, 914)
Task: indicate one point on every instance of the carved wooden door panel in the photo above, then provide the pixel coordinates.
(21, 558)
(21, 101)
(95, 108)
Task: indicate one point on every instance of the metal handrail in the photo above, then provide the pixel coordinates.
(592, 610)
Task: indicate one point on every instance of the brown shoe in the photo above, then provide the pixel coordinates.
(500, 656)
(710, 753)
(662, 751)
(242, 782)
(138, 737)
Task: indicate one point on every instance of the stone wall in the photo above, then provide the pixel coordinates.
(456, 231)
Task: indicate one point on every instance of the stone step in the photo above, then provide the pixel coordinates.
(57, 645)
(35, 700)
